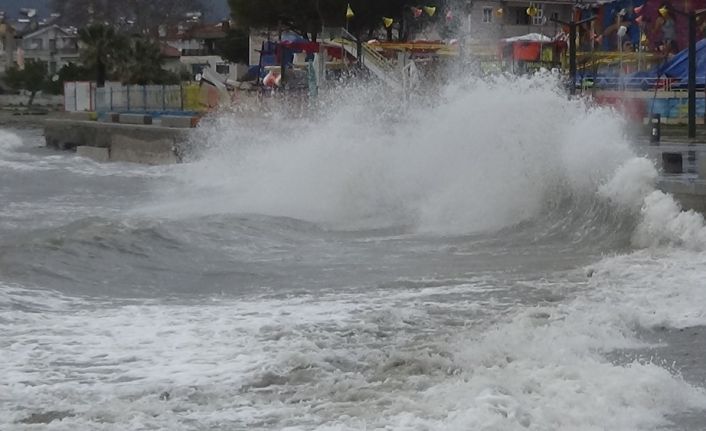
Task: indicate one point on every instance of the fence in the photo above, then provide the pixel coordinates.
(139, 98)
(79, 96)
(115, 97)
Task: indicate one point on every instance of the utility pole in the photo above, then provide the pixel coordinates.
(691, 84)
(572, 48)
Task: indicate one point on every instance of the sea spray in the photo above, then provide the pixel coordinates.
(664, 222)
(9, 141)
(486, 157)
(630, 184)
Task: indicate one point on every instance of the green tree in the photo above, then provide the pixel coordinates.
(148, 15)
(80, 13)
(235, 46)
(368, 16)
(70, 72)
(32, 78)
(144, 63)
(140, 16)
(102, 49)
(131, 60)
(307, 17)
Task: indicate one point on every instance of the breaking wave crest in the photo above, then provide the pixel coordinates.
(485, 156)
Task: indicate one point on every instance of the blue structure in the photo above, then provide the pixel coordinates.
(677, 68)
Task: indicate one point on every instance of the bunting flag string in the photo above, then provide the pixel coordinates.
(416, 13)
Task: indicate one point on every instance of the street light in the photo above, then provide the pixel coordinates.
(692, 66)
(572, 48)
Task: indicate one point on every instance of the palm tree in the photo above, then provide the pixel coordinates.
(146, 61)
(101, 48)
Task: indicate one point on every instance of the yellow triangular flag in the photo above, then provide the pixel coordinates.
(430, 10)
(349, 12)
(387, 21)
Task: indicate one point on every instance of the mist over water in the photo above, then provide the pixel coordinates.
(489, 258)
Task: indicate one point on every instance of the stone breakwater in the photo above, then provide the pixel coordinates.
(133, 139)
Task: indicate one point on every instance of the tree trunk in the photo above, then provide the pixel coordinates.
(31, 98)
(100, 74)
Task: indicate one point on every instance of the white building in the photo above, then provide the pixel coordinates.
(197, 46)
(492, 20)
(7, 46)
(50, 44)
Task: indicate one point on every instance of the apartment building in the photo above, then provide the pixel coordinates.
(490, 21)
(49, 43)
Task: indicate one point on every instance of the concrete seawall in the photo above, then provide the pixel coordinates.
(682, 166)
(690, 193)
(102, 141)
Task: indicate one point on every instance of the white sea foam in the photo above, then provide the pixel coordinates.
(660, 284)
(338, 361)
(656, 286)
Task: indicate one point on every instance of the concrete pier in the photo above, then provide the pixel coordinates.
(682, 171)
(136, 143)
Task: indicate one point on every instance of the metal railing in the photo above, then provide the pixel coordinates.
(625, 83)
(373, 60)
(114, 97)
(368, 51)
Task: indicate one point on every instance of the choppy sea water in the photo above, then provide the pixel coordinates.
(497, 261)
